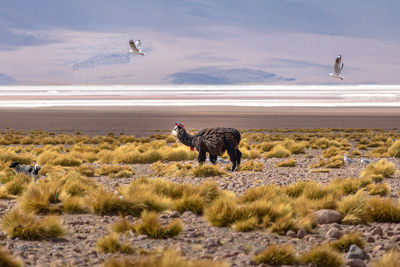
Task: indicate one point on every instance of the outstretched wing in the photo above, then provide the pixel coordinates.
(138, 44)
(133, 46)
(337, 67)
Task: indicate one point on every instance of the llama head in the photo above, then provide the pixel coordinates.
(177, 128)
(14, 164)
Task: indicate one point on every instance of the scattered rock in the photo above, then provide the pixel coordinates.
(355, 263)
(377, 231)
(291, 233)
(301, 233)
(327, 216)
(370, 239)
(357, 253)
(333, 232)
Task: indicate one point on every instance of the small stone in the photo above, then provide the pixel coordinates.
(370, 239)
(327, 216)
(22, 247)
(377, 231)
(355, 263)
(291, 233)
(395, 238)
(333, 232)
(301, 233)
(357, 253)
(130, 218)
(175, 214)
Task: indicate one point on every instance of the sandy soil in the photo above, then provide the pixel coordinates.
(138, 120)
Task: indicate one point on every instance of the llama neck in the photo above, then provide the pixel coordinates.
(186, 138)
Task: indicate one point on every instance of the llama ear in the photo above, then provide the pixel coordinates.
(179, 124)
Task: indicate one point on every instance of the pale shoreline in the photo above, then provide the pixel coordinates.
(139, 120)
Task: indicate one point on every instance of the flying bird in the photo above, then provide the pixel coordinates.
(337, 68)
(135, 47)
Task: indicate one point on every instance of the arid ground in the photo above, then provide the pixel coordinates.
(79, 186)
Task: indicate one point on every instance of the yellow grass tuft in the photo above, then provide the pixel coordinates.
(168, 258)
(378, 189)
(278, 152)
(206, 170)
(287, 163)
(382, 167)
(115, 171)
(394, 150)
(389, 259)
(343, 244)
(323, 256)
(175, 169)
(246, 225)
(383, 210)
(251, 165)
(277, 255)
(150, 225)
(353, 208)
(29, 227)
(7, 260)
(110, 244)
(122, 226)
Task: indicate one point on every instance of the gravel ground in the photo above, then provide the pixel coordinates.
(198, 239)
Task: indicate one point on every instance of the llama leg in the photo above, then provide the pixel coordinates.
(233, 157)
(202, 156)
(239, 157)
(213, 159)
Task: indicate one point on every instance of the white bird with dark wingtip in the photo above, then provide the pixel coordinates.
(347, 160)
(135, 47)
(365, 161)
(337, 68)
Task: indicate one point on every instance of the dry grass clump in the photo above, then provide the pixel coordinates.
(175, 169)
(87, 170)
(6, 260)
(115, 171)
(107, 203)
(324, 143)
(67, 160)
(295, 190)
(277, 255)
(8, 156)
(205, 170)
(323, 256)
(251, 165)
(246, 225)
(150, 225)
(287, 163)
(333, 162)
(394, 150)
(320, 170)
(343, 244)
(278, 151)
(57, 194)
(18, 184)
(378, 189)
(294, 147)
(353, 208)
(389, 259)
(168, 258)
(267, 146)
(29, 227)
(122, 226)
(110, 244)
(382, 167)
(382, 210)
(177, 154)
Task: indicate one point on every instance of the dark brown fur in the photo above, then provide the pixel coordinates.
(215, 141)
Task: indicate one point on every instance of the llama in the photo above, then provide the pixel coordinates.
(28, 170)
(215, 141)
